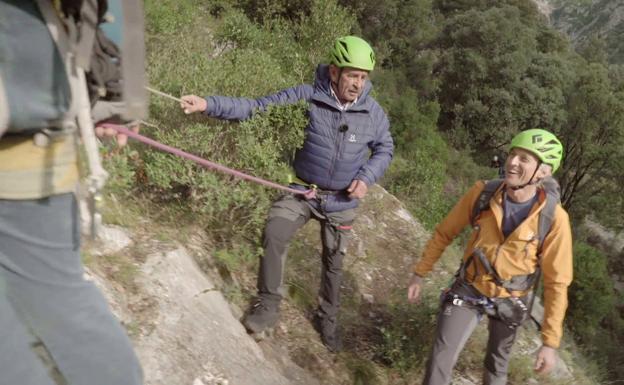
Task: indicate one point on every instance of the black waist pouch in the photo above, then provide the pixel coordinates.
(513, 311)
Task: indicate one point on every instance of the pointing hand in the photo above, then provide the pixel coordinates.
(192, 103)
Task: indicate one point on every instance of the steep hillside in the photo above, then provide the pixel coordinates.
(189, 269)
(182, 309)
(583, 19)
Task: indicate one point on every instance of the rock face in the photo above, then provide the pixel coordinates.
(582, 20)
(195, 339)
(184, 330)
(544, 6)
(186, 333)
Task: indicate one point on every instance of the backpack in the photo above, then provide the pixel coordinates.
(104, 57)
(546, 216)
(49, 99)
(104, 76)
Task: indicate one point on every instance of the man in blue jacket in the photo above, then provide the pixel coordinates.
(347, 148)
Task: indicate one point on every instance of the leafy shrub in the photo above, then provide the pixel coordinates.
(120, 167)
(592, 314)
(296, 45)
(407, 334)
(591, 294)
(418, 182)
(240, 58)
(230, 207)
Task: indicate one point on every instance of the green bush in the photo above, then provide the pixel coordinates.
(591, 296)
(229, 207)
(407, 334)
(236, 57)
(296, 45)
(418, 182)
(428, 176)
(592, 315)
(120, 167)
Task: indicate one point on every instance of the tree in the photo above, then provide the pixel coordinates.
(593, 137)
(499, 74)
(402, 32)
(594, 50)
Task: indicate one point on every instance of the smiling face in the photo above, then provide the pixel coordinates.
(520, 168)
(349, 83)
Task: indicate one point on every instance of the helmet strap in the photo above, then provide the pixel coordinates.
(530, 182)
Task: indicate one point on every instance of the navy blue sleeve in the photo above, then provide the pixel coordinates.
(382, 150)
(223, 107)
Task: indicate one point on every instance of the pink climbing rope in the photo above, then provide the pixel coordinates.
(308, 194)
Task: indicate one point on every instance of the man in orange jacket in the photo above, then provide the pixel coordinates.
(501, 264)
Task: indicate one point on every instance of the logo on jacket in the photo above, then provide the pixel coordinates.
(352, 138)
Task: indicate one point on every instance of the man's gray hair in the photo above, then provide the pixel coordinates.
(546, 167)
(548, 170)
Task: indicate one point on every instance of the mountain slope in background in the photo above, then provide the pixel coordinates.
(583, 19)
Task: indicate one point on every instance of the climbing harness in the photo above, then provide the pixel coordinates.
(512, 311)
(320, 193)
(462, 300)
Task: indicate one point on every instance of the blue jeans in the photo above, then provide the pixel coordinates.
(43, 294)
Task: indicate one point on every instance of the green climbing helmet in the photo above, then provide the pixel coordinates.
(543, 144)
(352, 51)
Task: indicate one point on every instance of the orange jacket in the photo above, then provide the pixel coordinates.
(515, 255)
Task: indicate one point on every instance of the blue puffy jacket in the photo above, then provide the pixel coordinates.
(340, 146)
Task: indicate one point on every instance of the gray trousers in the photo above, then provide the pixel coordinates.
(286, 216)
(43, 296)
(455, 325)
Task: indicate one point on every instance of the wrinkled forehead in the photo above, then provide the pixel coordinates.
(350, 71)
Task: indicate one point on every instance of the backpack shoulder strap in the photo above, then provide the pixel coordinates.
(483, 201)
(547, 215)
(4, 109)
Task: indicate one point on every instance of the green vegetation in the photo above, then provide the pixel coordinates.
(587, 20)
(458, 79)
(592, 314)
(407, 325)
(120, 269)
